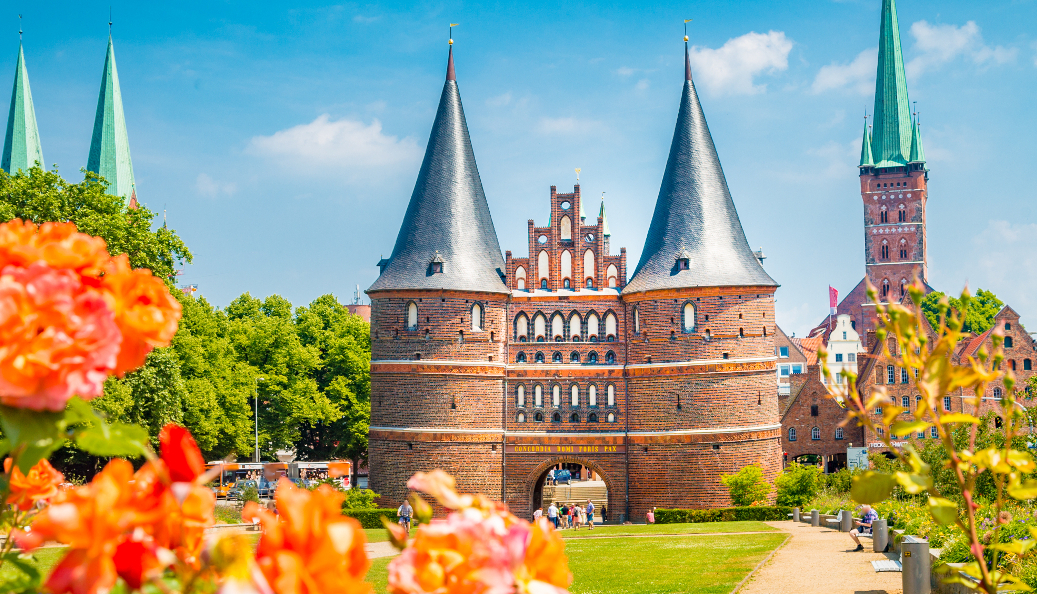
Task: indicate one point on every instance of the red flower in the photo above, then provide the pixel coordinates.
(181, 454)
(41, 484)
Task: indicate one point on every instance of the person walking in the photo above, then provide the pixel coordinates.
(552, 515)
(539, 513)
(565, 515)
(590, 514)
(404, 513)
(574, 517)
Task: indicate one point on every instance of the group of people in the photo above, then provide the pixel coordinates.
(570, 516)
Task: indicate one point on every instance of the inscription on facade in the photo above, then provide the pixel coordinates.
(565, 449)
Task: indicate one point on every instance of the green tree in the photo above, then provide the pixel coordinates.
(798, 484)
(747, 486)
(979, 316)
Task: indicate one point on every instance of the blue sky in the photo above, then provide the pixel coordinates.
(284, 142)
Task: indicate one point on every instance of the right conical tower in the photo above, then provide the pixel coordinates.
(699, 335)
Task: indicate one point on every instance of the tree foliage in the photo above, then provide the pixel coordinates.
(798, 484)
(747, 486)
(978, 314)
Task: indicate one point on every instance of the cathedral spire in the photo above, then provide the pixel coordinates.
(110, 144)
(891, 134)
(605, 231)
(917, 154)
(447, 240)
(695, 238)
(22, 148)
(866, 158)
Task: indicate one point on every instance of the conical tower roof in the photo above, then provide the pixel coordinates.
(110, 144)
(891, 134)
(917, 153)
(695, 217)
(604, 220)
(22, 142)
(447, 215)
(866, 159)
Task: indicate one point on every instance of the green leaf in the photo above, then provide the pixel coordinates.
(914, 483)
(871, 487)
(1025, 490)
(1016, 547)
(1023, 461)
(33, 435)
(117, 439)
(26, 579)
(944, 511)
(909, 427)
(959, 418)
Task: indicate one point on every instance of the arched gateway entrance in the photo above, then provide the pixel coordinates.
(586, 481)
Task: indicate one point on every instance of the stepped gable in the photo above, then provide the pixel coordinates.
(695, 217)
(22, 142)
(448, 219)
(110, 144)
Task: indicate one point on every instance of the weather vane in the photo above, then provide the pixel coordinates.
(19, 27)
(686, 21)
(451, 33)
(577, 175)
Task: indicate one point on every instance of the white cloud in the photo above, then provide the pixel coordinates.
(858, 76)
(568, 126)
(625, 71)
(730, 70)
(499, 100)
(211, 188)
(344, 146)
(642, 84)
(937, 45)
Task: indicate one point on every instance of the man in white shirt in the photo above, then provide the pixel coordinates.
(552, 515)
(539, 513)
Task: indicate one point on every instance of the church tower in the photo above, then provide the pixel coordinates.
(22, 142)
(893, 176)
(110, 144)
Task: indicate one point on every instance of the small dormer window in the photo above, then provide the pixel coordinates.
(436, 265)
(683, 260)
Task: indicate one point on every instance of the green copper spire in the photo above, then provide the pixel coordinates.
(22, 143)
(866, 159)
(917, 154)
(110, 145)
(605, 231)
(891, 135)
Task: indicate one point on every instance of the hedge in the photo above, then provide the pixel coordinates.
(723, 514)
(371, 518)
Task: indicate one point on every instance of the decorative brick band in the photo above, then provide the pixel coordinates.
(453, 368)
(712, 435)
(479, 368)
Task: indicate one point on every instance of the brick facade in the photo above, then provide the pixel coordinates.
(810, 408)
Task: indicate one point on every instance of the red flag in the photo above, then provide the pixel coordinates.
(833, 297)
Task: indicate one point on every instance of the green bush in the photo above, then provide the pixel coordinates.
(370, 518)
(361, 499)
(760, 513)
(747, 485)
(798, 484)
(249, 494)
(839, 481)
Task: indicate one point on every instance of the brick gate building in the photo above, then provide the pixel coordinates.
(497, 369)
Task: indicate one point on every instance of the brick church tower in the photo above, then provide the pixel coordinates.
(700, 335)
(437, 325)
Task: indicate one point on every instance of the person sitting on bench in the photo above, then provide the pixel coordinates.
(868, 516)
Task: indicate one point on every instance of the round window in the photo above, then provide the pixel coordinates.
(565, 206)
(542, 239)
(590, 237)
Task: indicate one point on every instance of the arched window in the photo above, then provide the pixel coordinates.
(520, 278)
(520, 358)
(556, 396)
(556, 418)
(592, 418)
(575, 327)
(567, 228)
(574, 418)
(477, 318)
(1008, 342)
(521, 327)
(543, 267)
(792, 434)
(815, 434)
(901, 214)
(539, 358)
(1011, 364)
(592, 395)
(567, 264)
(883, 215)
(557, 327)
(905, 402)
(885, 283)
(885, 250)
(574, 357)
(592, 358)
(520, 396)
(610, 358)
(903, 249)
(903, 287)
(611, 417)
(574, 399)
(637, 321)
(838, 432)
(538, 396)
(997, 393)
(566, 284)
(592, 327)
(588, 267)
(688, 317)
(556, 357)
(590, 283)
(539, 326)
(521, 418)
(1027, 365)
(539, 417)
(412, 316)
(612, 273)
(610, 327)
(543, 283)
(610, 395)
(706, 334)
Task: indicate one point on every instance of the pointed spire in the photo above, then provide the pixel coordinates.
(695, 220)
(110, 144)
(605, 231)
(22, 147)
(891, 134)
(447, 240)
(917, 153)
(866, 158)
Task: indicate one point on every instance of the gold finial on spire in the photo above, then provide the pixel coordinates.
(686, 21)
(577, 175)
(450, 40)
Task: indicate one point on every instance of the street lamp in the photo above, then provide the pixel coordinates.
(256, 454)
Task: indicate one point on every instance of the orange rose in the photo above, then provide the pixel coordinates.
(146, 313)
(41, 484)
(59, 245)
(310, 548)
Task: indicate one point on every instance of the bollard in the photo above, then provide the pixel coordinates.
(815, 518)
(845, 520)
(879, 536)
(795, 514)
(914, 559)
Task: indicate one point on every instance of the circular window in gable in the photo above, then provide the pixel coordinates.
(542, 239)
(590, 238)
(565, 206)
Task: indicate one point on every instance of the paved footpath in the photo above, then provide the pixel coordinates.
(379, 549)
(821, 561)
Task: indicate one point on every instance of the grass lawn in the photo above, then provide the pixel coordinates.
(647, 529)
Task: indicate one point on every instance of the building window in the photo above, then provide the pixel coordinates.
(880, 431)
(783, 352)
(885, 282)
(556, 418)
(520, 396)
(883, 215)
(565, 284)
(521, 418)
(610, 358)
(878, 410)
(792, 434)
(412, 316)
(592, 358)
(902, 215)
(567, 229)
(592, 395)
(1027, 365)
(947, 403)
(891, 374)
(851, 357)
(838, 432)
(1008, 326)
(797, 369)
(611, 417)
(592, 418)
(520, 278)
(838, 357)
(921, 434)
(538, 396)
(574, 418)
(574, 357)
(556, 357)
(637, 321)
(815, 434)
(610, 327)
(688, 318)
(556, 396)
(903, 256)
(1008, 342)
(783, 370)
(933, 433)
(521, 327)
(520, 358)
(610, 395)
(539, 358)
(543, 283)
(813, 410)
(1011, 364)
(905, 402)
(997, 393)
(476, 318)
(574, 399)
(903, 375)
(539, 417)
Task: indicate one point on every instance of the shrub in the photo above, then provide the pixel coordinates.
(839, 481)
(747, 485)
(798, 484)
(370, 518)
(361, 499)
(249, 493)
(759, 513)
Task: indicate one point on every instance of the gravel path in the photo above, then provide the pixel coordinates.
(821, 561)
(379, 549)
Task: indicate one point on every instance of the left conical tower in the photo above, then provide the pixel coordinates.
(438, 312)
(110, 143)
(22, 148)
